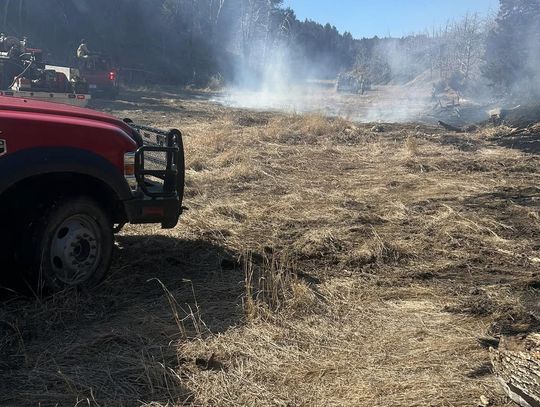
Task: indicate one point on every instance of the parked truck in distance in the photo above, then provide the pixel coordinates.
(101, 76)
(72, 177)
(24, 74)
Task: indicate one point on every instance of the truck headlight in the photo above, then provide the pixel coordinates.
(129, 170)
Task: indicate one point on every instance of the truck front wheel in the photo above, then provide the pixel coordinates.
(72, 244)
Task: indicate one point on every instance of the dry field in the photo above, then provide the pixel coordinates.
(321, 263)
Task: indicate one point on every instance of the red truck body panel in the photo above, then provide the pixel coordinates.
(102, 83)
(104, 79)
(67, 185)
(52, 140)
(52, 125)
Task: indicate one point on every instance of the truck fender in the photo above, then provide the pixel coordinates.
(28, 163)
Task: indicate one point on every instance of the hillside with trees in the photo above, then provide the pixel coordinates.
(457, 48)
(181, 41)
(242, 41)
(499, 57)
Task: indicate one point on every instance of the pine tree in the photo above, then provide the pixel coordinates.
(513, 48)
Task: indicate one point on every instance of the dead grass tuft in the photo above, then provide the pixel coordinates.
(272, 288)
(385, 252)
(411, 146)
(319, 244)
(310, 129)
(496, 131)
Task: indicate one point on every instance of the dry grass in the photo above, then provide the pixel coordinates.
(496, 131)
(351, 346)
(328, 265)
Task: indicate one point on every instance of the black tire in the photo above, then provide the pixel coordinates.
(71, 244)
(7, 249)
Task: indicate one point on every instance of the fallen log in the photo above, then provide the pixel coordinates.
(449, 127)
(517, 365)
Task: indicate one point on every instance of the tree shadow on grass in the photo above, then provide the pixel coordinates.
(116, 345)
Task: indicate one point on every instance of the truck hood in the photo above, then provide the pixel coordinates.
(34, 106)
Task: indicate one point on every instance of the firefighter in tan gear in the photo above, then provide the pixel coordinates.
(83, 52)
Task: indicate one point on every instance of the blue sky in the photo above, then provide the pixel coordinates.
(366, 18)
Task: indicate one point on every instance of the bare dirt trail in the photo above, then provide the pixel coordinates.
(378, 260)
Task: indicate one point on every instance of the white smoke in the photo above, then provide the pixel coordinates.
(284, 84)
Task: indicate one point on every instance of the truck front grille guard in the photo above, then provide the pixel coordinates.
(167, 142)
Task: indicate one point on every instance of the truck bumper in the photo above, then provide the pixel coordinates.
(159, 171)
(145, 210)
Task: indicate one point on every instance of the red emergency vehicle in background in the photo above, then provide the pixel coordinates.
(101, 76)
(24, 74)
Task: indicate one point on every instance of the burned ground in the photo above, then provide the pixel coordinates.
(321, 263)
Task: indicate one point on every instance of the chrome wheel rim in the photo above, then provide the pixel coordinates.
(75, 249)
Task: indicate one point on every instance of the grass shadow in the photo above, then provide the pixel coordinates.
(116, 345)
